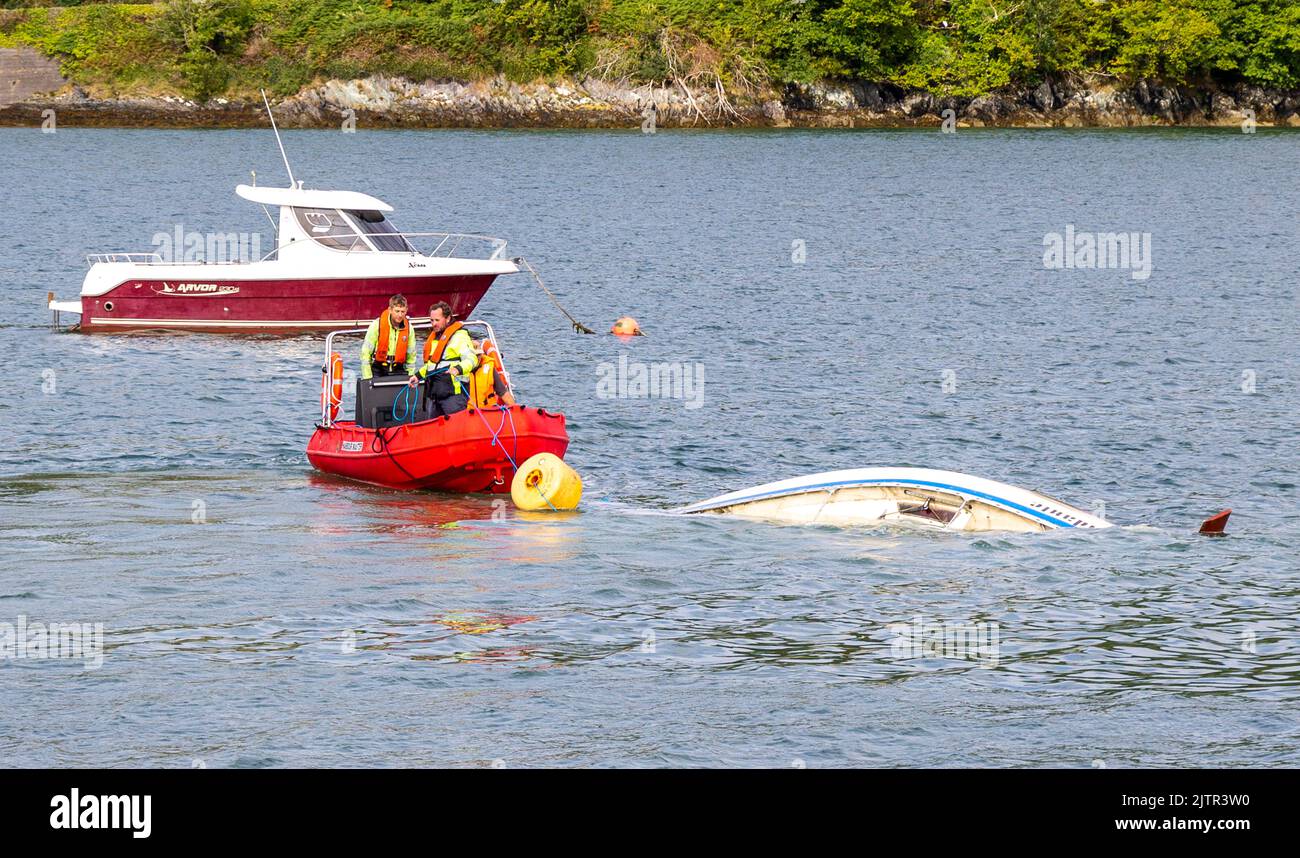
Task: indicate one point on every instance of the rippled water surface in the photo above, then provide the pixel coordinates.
(312, 622)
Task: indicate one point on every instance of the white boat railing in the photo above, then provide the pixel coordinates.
(456, 238)
(157, 259)
(326, 421)
(447, 245)
(139, 258)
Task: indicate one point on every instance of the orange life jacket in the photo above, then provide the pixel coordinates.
(386, 331)
(433, 349)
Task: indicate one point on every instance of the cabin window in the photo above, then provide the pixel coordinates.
(383, 235)
(330, 228)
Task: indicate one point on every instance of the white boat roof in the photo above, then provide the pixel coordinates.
(302, 198)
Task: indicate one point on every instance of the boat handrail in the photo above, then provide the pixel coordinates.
(449, 242)
(157, 259)
(498, 244)
(326, 421)
(143, 258)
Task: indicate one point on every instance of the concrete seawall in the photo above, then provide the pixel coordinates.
(24, 72)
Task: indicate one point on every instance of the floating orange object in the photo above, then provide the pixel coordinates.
(1215, 525)
(626, 326)
(492, 358)
(331, 386)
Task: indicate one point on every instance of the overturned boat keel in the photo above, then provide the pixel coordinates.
(921, 497)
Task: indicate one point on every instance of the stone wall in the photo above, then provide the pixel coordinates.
(24, 72)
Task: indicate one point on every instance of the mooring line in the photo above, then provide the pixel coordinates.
(578, 327)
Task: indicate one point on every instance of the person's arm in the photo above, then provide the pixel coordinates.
(466, 359)
(427, 366)
(368, 348)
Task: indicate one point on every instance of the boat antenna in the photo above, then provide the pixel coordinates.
(278, 141)
(267, 211)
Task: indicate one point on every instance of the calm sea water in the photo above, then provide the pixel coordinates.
(313, 622)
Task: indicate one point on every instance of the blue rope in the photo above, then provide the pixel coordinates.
(507, 413)
(545, 498)
(479, 412)
(409, 405)
(407, 397)
(513, 431)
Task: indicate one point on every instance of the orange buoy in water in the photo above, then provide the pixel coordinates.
(1215, 525)
(626, 326)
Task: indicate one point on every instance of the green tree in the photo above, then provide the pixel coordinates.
(206, 33)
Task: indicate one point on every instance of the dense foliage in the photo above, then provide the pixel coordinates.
(958, 47)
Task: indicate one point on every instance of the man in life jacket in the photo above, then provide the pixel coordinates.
(449, 358)
(389, 347)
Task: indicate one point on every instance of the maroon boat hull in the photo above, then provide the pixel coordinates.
(271, 306)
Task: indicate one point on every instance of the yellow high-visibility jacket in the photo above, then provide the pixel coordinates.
(459, 353)
(371, 342)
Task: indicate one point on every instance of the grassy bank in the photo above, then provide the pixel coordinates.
(211, 48)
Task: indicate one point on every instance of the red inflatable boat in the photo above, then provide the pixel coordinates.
(476, 450)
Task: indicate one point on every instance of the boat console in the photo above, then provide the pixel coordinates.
(376, 398)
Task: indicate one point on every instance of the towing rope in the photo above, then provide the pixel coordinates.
(545, 498)
(496, 439)
(515, 432)
(578, 327)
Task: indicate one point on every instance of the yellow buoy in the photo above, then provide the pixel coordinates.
(545, 482)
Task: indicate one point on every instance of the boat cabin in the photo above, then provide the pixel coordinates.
(345, 221)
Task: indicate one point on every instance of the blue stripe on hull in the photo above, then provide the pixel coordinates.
(1042, 516)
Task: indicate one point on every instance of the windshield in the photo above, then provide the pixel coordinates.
(330, 228)
(383, 235)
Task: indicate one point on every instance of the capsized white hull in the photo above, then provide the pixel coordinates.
(923, 497)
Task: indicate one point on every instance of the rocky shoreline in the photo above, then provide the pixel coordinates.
(379, 102)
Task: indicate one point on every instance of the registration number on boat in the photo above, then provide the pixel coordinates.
(352, 447)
